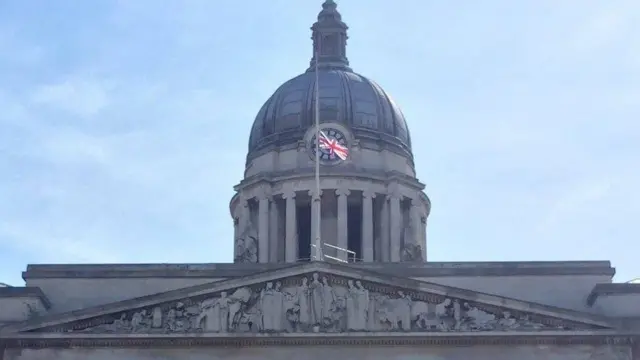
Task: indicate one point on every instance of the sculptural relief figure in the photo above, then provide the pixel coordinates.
(140, 321)
(395, 313)
(328, 300)
(351, 302)
(403, 309)
(176, 319)
(363, 306)
(247, 245)
(479, 320)
(272, 306)
(118, 325)
(412, 253)
(302, 300)
(507, 321)
(237, 306)
(214, 314)
(171, 320)
(156, 321)
(316, 292)
(357, 306)
(445, 321)
(122, 323)
(421, 316)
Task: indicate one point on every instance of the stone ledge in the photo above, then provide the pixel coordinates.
(9, 292)
(232, 270)
(47, 340)
(612, 289)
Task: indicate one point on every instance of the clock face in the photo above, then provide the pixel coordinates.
(333, 146)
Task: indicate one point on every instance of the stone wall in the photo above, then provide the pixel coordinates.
(522, 352)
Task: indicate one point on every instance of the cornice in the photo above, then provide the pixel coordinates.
(612, 289)
(230, 270)
(28, 292)
(59, 340)
(339, 172)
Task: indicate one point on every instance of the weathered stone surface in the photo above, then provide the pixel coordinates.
(316, 302)
(522, 352)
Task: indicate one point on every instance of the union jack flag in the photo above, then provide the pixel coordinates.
(333, 147)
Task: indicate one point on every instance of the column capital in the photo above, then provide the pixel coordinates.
(263, 192)
(343, 192)
(368, 194)
(289, 194)
(314, 194)
(394, 195)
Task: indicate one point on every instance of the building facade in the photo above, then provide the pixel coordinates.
(329, 266)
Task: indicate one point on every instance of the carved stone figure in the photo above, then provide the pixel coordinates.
(328, 300)
(302, 296)
(272, 306)
(357, 306)
(403, 310)
(156, 321)
(238, 308)
(412, 253)
(247, 245)
(479, 320)
(507, 321)
(214, 314)
(421, 315)
(139, 321)
(363, 305)
(315, 290)
(315, 305)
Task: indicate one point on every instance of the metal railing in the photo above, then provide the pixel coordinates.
(350, 255)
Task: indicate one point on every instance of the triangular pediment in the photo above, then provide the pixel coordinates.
(314, 297)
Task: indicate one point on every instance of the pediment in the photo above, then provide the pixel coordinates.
(316, 297)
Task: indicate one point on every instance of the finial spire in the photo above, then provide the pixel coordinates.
(329, 35)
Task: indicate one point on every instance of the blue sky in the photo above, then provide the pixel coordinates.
(124, 124)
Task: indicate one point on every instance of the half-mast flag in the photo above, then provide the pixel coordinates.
(333, 146)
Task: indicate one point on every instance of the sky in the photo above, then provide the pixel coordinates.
(124, 124)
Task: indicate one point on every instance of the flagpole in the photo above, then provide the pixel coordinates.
(316, 200)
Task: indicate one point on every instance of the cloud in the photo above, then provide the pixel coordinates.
(54, 246)
(577, 199)
(81, 97)
(123, 141)
(139, 177)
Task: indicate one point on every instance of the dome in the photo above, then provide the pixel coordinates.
(346, 97)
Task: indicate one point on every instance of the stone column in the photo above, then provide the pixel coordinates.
(416, 222)
(416, 225)
(263, 228)
(236, 221)
(423, 234)
(384, 230)
(244, 215)
(367, 226)
(395, 219)
(291, 236)
(315, 220)
(244, 218)
(274, 236)
(343, 231)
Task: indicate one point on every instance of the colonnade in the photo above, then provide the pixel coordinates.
(383, 226)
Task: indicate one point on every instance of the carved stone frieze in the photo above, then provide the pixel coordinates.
(317, 303)
(246, 245)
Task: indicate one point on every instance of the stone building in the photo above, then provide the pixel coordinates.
(366, 291)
